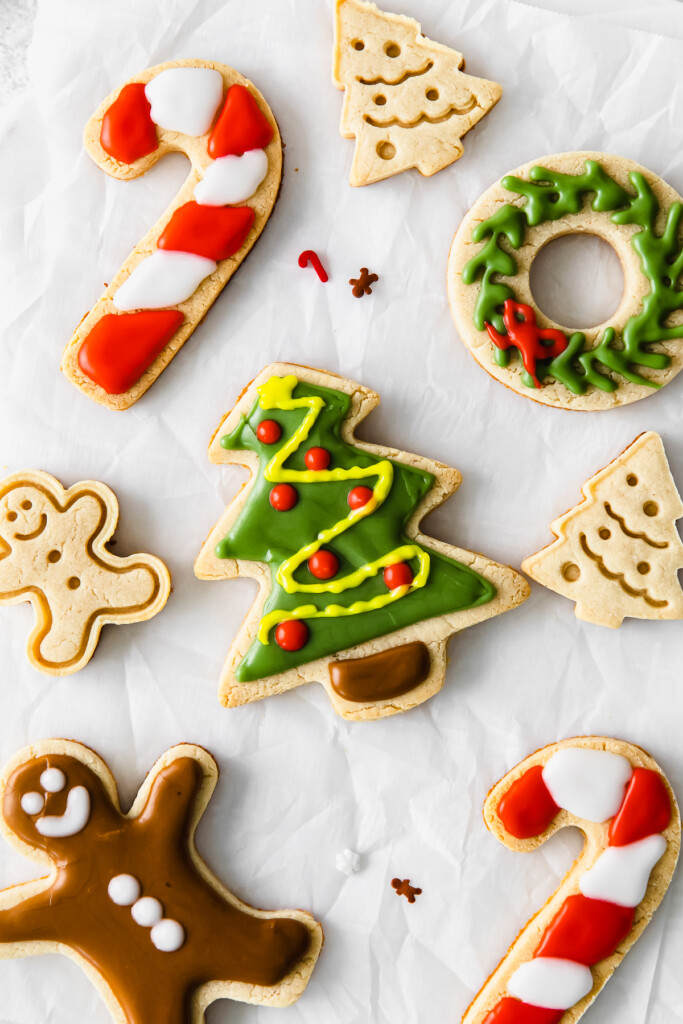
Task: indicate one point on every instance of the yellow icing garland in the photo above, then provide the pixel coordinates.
(276, 393)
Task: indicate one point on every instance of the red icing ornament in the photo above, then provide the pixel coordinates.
(241, 125)
(120, 347)
(527, 808)
(513, 1011)
(317, 459)
(646, 809)
(398, 575)
(128, 132)
(269, 432)
(291, 635)
(586, 930)
(526, 336)
(215, 232)
(323, 565)
(359, 496)
(283, 497)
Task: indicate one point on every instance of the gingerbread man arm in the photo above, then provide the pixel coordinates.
(178, 787)
(27, 914)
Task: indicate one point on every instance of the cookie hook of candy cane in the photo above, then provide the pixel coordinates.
(223, 124)
(620, 799)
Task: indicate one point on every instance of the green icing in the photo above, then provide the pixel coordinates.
(550, 195)
(261, 533)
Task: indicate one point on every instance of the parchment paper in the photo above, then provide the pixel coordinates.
(297, 783)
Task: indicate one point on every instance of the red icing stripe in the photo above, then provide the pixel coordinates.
(646, 809)
(514, 1011)
(586, 930)
(215, 232)
(527, 808)
(241, 125)
(121, 346)
(128, 132)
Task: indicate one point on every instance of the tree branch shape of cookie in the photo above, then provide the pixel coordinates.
(406, 101)
(622, 802)
(129, 898)
(352, 595)
(53, 553)
(222, 123)
(618, 552)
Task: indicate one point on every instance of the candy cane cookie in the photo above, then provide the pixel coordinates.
(225, 127)
(622, 802)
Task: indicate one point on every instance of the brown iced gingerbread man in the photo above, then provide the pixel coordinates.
(53, 553)
(128, 896)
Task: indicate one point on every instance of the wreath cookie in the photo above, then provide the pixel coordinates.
(621, 360)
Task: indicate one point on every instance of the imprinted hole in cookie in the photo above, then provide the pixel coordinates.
(643, 568)
(380, 100)
(358, 44)
(432, 94)
(632, 480)
(571, 572)
(392, 50)
(577, 280)
(54, 556)
(604, 533)
(73, 583)
(386, 150)
(650, 508)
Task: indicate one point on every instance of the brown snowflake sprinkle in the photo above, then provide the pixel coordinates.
(404, 888)
(361, 284)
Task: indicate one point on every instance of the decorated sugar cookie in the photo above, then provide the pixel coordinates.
(129, 898)
(622, 802)
(407, 102)
(53, 553)
(627, 357)
(618, 552)
(151, 306)
(352, 595)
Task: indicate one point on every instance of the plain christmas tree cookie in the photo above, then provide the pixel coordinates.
(351, 594)
(151, 306)
(618, 552)
(629, 356)
(128, 897)
(618, 796)
(53, 553)
(407, 102)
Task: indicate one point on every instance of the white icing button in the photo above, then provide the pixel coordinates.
(550, 982)
(53, 780)
(163, 279)
(124, 890)
(168, 935)
(147, 911)
(232, 179)
(185, 99)
(588, 783)
(74, 819)
(32, 803)
(621, 873)
(348, 862)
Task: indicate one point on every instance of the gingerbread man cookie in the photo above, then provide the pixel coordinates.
(129, 898)
(53, 553)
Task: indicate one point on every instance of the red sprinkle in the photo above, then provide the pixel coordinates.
(359, 496)
(291, 635)
(269, 432)
(317, 459)
(323, 564)
(310, 256)
(283, 497)
(398, 575)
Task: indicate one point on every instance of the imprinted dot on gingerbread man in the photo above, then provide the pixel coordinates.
(53, 553)
(129, 898)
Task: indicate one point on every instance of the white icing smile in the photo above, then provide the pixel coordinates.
(73, 820)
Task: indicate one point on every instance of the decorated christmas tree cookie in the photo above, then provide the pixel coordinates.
(129, 898)
(352, 595)
(618, 552)
(406, 100)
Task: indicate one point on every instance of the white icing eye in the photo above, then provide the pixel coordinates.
(53, 780)
(147, 911)
(32, 803)
(124, 890)
(168, 935)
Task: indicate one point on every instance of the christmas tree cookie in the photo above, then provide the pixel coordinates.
(618, 552)
(352, 595)
(406, 101)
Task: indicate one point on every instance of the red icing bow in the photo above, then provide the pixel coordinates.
(524, 334)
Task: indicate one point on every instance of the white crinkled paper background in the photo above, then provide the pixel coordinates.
(297, 783)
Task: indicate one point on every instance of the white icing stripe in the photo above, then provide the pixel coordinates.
(551, 983)
(232, 179)
(168, 935)
(621, 873)
(185, 99)
(163, 279)
(74, 819)
(588, 783)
